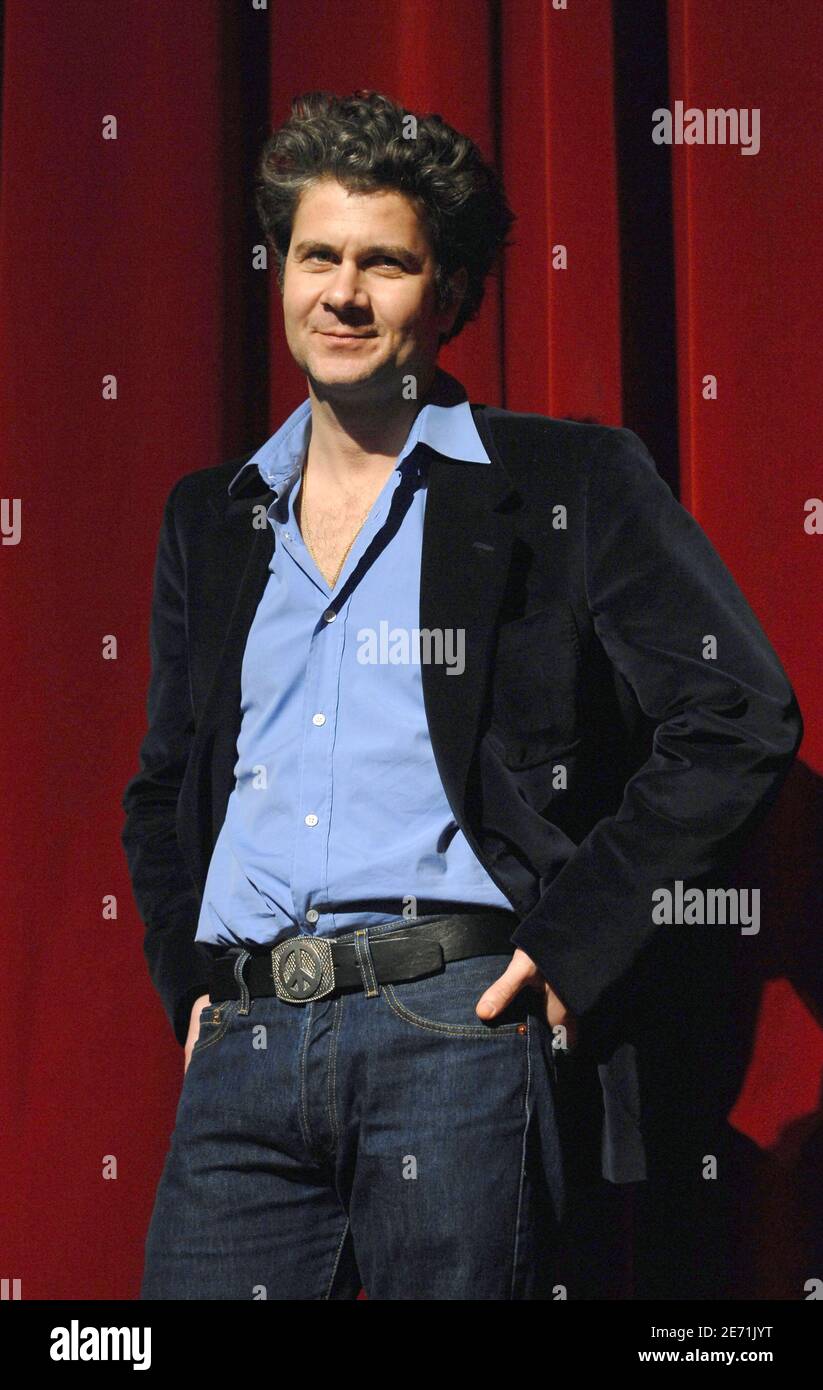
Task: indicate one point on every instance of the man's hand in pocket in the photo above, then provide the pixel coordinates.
(521, 972)
(194, 1029)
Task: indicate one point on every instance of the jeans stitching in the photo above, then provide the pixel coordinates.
(242, 957)
(529, 1040)
(373, 989)
(337, 1259)
(392, 928)
(364, 960)
(307, 1134)
(332, 1074)
(461, 1030)
(220, 1028)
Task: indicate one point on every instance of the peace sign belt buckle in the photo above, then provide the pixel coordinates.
(302, 968)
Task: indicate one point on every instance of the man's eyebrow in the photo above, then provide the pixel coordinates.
(400, 253)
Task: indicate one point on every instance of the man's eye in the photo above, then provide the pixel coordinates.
(379, 260)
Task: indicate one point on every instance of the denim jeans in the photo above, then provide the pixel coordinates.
(394, 1142)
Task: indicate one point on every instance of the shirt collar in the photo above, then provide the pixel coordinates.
(445, 424)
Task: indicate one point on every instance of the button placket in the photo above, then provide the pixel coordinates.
(310, 867)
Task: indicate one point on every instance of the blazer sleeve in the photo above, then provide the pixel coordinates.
(164, 891)
(727, 725)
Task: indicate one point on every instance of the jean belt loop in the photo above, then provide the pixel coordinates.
(242, 957)
(364, 960)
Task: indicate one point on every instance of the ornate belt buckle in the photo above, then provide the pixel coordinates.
(302, 969)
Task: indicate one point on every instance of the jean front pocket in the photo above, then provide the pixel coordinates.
(215, 1018)
(446, 1002)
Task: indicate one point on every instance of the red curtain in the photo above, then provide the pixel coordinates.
(128, 260)
(748, 314)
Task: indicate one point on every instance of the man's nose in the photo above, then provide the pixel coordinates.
(344, 290)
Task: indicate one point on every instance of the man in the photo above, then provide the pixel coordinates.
(432, 718)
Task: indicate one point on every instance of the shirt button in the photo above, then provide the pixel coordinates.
(329, 615)
(311, 820)
(312, 914)
(318, 719)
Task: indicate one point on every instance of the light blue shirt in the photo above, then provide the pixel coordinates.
(338, 817)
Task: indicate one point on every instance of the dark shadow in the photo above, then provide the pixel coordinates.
(691, 1007)
(245, 126)
(644, 200)
(779, 1233)
(755, 1230)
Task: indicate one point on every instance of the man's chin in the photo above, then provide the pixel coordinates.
(343, 376)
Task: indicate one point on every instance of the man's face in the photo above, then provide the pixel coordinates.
(359, 302)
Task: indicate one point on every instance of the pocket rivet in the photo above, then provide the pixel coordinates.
(522, 1028)
(215, 1018)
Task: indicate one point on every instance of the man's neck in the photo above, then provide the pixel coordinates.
(352, 442)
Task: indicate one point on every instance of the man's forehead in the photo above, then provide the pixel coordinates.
(326, 197)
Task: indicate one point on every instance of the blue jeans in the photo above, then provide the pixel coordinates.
(395, 1142)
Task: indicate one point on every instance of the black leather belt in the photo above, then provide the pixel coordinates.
(302, 968)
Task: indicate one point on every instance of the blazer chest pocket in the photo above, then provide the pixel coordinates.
(536, 684)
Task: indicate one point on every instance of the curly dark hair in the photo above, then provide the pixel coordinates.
(366, 141)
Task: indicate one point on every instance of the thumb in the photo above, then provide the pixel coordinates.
(503, 990)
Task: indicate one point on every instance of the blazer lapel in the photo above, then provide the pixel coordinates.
(467, 541)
